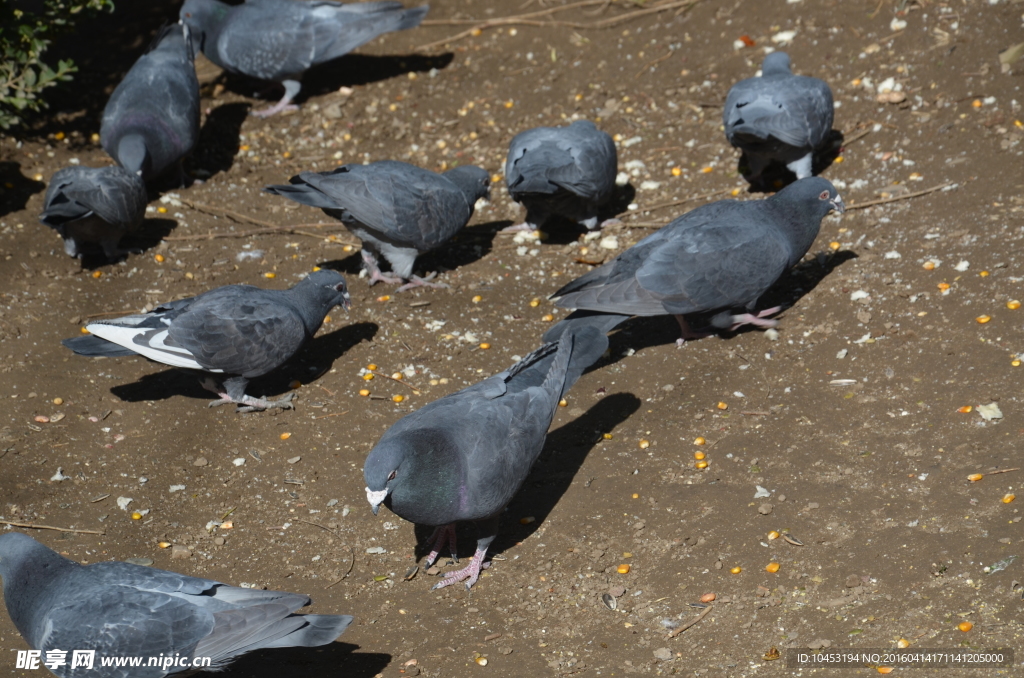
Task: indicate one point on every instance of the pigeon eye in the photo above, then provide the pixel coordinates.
(823, 196)
(391, 476)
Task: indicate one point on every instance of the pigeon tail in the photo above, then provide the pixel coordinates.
(376, 19)
(303, 193)
(320, 629)
(93, 346)
(589, 344)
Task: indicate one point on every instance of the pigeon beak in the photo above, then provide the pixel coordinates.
(838, 205)
(375, 498)
(375, 509)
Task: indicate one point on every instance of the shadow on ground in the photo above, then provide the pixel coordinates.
(15, 188)
(336, 659)
(777, 176)
(218, 140)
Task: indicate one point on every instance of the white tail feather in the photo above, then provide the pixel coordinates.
(153, 348)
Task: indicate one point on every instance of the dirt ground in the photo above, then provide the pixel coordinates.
(854, 420)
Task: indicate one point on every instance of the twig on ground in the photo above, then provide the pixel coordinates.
(691, 622)
(351, 564)
(882, 201)
(33, 526)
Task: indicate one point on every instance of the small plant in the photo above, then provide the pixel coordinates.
(26, 30)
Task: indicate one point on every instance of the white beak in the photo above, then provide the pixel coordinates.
(375, 498)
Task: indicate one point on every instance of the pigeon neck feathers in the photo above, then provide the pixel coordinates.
(799, 209)
(776, 63)
(473, 182)
(25, 566)
(429, 485)
(316, 295)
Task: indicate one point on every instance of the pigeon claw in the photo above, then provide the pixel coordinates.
(250, 404)
(417, 281)
(470, 573)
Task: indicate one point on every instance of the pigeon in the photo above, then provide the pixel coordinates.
(465, 456)
(94, 205)
(279, 40)
(238, 331)
(122, 610)
(396, 209)
(717, 258)
(561, 171)
(778, 116)
(151, 121)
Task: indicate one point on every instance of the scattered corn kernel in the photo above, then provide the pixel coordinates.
(736, 570)
(509, 104)
(735, 192)
(398, 376)
(699, 440)
(159, 258)
(676, 171)
(1013, 305)
(270, 274)
(1017, 123)
(929, 265)
(347, 248)
(838, 159)
(606, 436)
(1015, 363)
(774, 534)
(701, 464)
(984, 274)
(975, 477)
(371, 367)
(965, 409)
(164, 544)
(84, 331)
(772, 567)
(547, 318)
(884, 669)
(982, 319)
(397, 398)
(477, 299)
(699, 455)
(484, 346)
(636, 496)
(1008, 498)
(965, 626)
(136, 515)
(902, 643)
(327, 318)
(563, 403)
(708, 598)
(644, 444)
(527, 520)
(623, 569)
(386, 297)
(161, 209)
(95, 138)
(97, 274)
(364, 392)
(943, 286)
(707, 170)
(976, 103)
(294, 383)
(723, 406)
(834, 245)
(58, 401)
(37, 177)
(476, 32)
(482, 661)
(285, 436)
(367, 377)
(534, 303)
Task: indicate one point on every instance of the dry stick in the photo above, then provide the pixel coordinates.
(654, 62)
(847, 142)
(414, 389)
(350, 566)
(1005, 470)
(692, 621)
(263, 231)
(882, 201)
(33, 526)
(105, 313)
(236, 216)
(493, 22)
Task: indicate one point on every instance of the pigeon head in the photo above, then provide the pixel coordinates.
(802, 205)
(473, 181)
(329, 288)
(776, 63)
(201, 17)
(384, 470)
(27, 567)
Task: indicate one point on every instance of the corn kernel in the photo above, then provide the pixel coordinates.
(984, 274)
(84, 331)
(95, 138)
(285, 436)
(943, 286)
(772, 567)
(627, 554)
(563, 403)
(708, 598)
(398, 376)
(534, 303)
(707, 170)
(976, 103)
(386, 297)
(982, 319)
(736, 570)
(159, 258)
(477, 299)
(164, 544)
(965, 409)
(838, 159)
(397, 398)
(606, 436)
(699, 440)
(364, 392)
(368, 377)
(623, 569)
(723, 406)
(136, 515)
(644, 444)
(482, 661)
(884, 670)
(975, 477)
(701, 464)
(1015, 363)
(699, 455)
(1013, 305)
(347, 248)
(834, 245)
(270, 274)
(676, 171)
(1008, 498)
(58, 401)
(327, 319)
(509, 104)
(294, 383)
(547, 318)
(371, 367)
(965, 626)
(476, 32)
(774, 534)
(161, 209)
(903, 643)
(97, 274)
(527, 520)
(929, 265)
(636, 496)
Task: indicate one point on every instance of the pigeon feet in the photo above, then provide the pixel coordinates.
(376, 276)
(444, 535)
(685, 333)
(758, 320)
(470, 573)
(610, 222)
(279, 107)
(417, 281)
(246, 403)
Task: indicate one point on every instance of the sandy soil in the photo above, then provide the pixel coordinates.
(853, 421)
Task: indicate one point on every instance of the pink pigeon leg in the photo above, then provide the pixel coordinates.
(470, 573)
(417, 281)
(444, 535)
(291, 89)
(758, 321)
(685, 333)
(375, 275)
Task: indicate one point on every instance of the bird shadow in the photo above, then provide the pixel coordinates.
(149, 234)
(15, 188)
(777, 176)
(307, 662)
(639, 333)
(218, 140)
(562, 231)
(308, 365)
(565, 450)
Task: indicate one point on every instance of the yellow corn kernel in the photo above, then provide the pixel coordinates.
(1015, 363)
(547, 318)
(965, 409)
(285, 436)
(84, 331)
(676, 171)
(976, 103)
(364, 392)
(834, 245)
(58, 401)
(563, 403)
(1007, 498)
(984, 274)
(386, 297)
(509, 104)
(699, 455)
(735, 192)
(397, 398)
(527, 520)
(929, 265)
(636, 496)
(701, 464)
(699, 440)
(1013, 305)
(371, 367)
(270, 274)
(982, 319)
(327, 319)
(97, 274)
(707, 170)
(723, 406)
(534, 303)
(943, 286)
(398, 376)
(644, 444)
(606, 436)
(482, 661)
(476, 32)
(736, 570)
(975, 477)
(164, 544)
(136, 515)
(965, 626)
(159, 258)
(884, 670)
(368, 377)
(161, 209)
(623, 569)
(774, 534)
(294, 383)
(772, 567)
(315, 269)
(838, 159)
(477, 299)
(484, 346)
(903, 643)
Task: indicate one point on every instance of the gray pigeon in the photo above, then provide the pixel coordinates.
(717, 258)
(279, 40)
(151, 121)
(465, 456)
(561, 171)
(778, 116)
(396, 209)
(239, 331)
(94, 205)
(122, 610)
